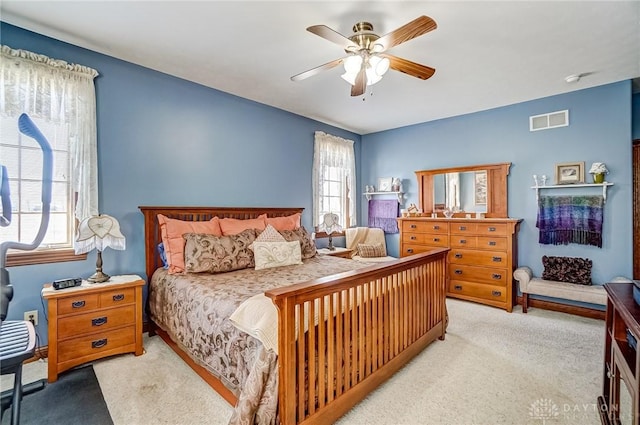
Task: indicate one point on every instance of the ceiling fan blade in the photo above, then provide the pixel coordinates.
(333, 36)
(313, 71)
(413, 29)
(411, 68)
(361, 83)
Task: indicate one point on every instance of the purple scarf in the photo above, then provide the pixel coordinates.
(383, 214)
(570, 219)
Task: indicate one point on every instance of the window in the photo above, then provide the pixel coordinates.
(60, 99)
(334, 179)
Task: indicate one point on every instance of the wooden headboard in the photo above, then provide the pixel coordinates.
(152, 228)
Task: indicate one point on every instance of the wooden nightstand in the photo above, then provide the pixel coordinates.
(92, 321)
(338, 252)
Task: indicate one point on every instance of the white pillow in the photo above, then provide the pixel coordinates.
(276, 254)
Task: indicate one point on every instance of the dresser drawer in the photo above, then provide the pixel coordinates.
(463, 241)
(95, 343)
(493, 276)
(95, 321)
(117, 297)
(495, 243)
(437, 227)
(489, 229)
(478, 258)
(478, 290)
(77, 303)
(463, 228)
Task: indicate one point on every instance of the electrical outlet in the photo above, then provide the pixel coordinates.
(32, 316)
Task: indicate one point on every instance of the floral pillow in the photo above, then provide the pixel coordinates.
(276, 254)
(567, 269)
(307, 246)
(217, 254)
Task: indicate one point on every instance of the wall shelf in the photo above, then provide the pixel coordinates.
(604, 187)
(400, 195)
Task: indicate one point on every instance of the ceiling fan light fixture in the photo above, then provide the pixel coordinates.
(349, 77)
(352, 64)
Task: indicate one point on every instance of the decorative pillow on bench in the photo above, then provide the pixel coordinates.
(567, 269)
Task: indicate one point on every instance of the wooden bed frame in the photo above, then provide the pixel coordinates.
(398, 308)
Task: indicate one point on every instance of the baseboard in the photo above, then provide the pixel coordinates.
(565, 308)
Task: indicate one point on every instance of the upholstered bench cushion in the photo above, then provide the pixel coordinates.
(593, 294)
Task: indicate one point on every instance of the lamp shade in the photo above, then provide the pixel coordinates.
(99, 232)
(330, 224)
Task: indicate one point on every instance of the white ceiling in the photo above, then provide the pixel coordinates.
(486, 54)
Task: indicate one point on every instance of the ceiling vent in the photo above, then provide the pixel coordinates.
(550, 120)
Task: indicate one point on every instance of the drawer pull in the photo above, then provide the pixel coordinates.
(496, 276)
(413, 226)
(458, 271)
(492, 229)
(413, 238)
(99, 343)
(410, 250)
(78, 304)
(99, 321)
(458, 255)
(496, 293)
(436, 239)
(458, 287)
(462, 228)
(436, 227)
(497, 259)
(463, 241)
(492, 243)
(118, 297)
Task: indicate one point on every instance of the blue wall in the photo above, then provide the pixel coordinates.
(599, 130)
(167, 141)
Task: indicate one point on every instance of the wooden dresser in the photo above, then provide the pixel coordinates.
(620, 399)
(482, 258)
(92, 321)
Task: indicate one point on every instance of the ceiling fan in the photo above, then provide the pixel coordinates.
(367, 61)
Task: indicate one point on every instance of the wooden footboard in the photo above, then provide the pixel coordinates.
(342, 336)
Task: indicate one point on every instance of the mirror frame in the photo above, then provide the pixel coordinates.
(497, 201)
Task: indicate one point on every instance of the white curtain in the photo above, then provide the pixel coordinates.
(60, 92)
(333, 151)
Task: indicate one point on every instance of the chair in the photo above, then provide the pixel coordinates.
(366, 236)
(17, 344)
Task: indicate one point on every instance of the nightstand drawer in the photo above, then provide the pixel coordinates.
(95, 321)
(117, 297)
(77, 304)
(95, 343)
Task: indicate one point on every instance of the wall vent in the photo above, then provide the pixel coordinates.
(550, 120)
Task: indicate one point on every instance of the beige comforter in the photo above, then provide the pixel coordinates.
(194, 309)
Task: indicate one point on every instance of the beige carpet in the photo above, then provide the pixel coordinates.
(493, 368)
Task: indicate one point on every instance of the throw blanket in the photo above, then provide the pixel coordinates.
(383, 214)
(570, 219)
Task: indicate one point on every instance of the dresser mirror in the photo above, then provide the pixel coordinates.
(465, 190)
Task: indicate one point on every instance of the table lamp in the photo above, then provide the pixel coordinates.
(99, 232)
(330, 224)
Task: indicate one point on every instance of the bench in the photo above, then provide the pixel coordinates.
(592, 294)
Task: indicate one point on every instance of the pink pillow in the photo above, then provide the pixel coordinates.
(290, 222)
(172, 230)
(233, 226)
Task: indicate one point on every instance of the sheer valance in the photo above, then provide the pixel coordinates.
(63, 93)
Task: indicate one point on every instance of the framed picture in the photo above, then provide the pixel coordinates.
(570, 173)
(384, 184)
(480, 187)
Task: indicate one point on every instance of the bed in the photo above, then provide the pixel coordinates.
(355, 326)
